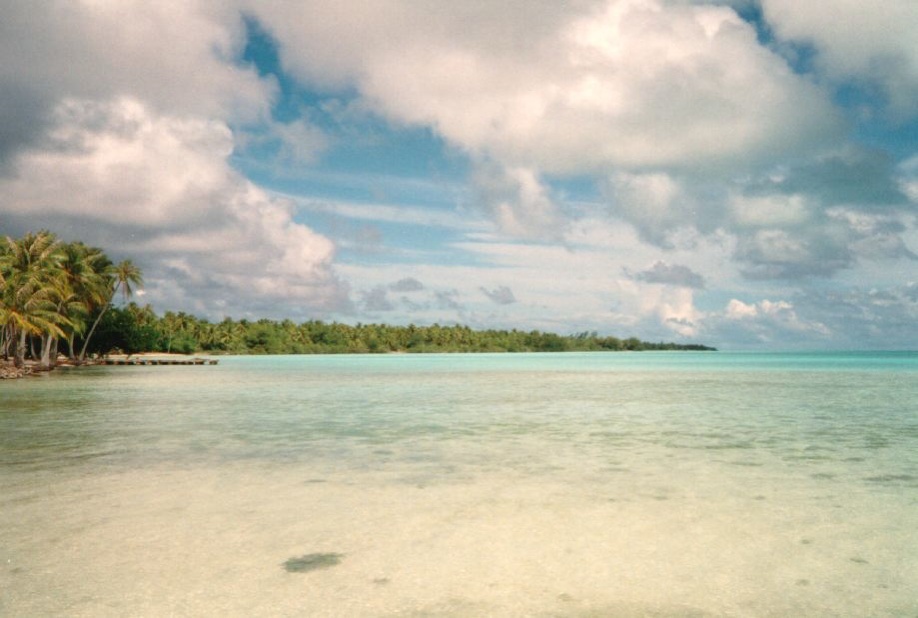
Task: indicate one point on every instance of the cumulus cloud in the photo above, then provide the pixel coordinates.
(377, 299)
(662, 310)
(117, 127)
(159, 188)
(564, 89)
(671, 274)
(501, 295)
(518, 201)
(878, 317)
(656, 203)
(873, 42)
(821, 216)
(114, 162)
(171, 55)
(659, 102)
(779, 254)
(765, 322)
(874, 236)
(448, 299)
(852, 176)
(853, 318)
(408, 284)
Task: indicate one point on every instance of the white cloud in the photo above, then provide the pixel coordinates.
(871, 41)
(518, 201)
(655, 203)
(115, 162)
(406, 284)
(566, 88)
(738, 310)
(765, 322)
(159, 188)
(670, 274)
(127, 112)
(822, 216)
(769, 210)
(376, 299)
(502, 295)
(175, 56)
(880, 317)
(908, 179)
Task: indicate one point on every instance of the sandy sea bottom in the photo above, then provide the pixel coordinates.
(531, 493)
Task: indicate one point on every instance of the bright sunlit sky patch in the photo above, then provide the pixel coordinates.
(743, 174)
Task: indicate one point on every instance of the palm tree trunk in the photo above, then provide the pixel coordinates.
(46, 341)
(91, 331)
(19, 358)
(6, 339)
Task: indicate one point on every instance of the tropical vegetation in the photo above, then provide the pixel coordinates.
(52, 292)
(134, 329)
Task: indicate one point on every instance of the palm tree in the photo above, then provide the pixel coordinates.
(120, 277)
(85, 268)
(171, 324)
(33, 287)
(6, 328)
(126, 275)
(68, 308)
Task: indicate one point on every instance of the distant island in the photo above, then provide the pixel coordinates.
(134, 329)
(58, 299)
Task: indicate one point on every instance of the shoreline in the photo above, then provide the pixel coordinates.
(8, 371)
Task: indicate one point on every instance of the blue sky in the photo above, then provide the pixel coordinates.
(743, 174)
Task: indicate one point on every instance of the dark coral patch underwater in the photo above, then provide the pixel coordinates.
(311, 562)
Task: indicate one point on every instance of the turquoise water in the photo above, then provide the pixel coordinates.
(661, 484)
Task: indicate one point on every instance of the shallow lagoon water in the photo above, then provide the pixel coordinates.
(650, 484)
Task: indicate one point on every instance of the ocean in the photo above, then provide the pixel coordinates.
(594, 484)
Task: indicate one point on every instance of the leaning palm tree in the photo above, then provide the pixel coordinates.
(120, 277)
(87, 270)
(68, 311)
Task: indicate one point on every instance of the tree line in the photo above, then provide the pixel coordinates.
(136, 329)
(55, 292)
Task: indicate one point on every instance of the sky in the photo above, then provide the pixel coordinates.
(737, 173)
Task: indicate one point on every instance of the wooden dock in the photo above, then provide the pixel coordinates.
(158, 361)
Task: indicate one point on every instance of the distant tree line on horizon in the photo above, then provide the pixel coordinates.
(54, 293)
(134, 329)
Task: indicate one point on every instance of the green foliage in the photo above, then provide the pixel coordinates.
(180, 332)
(185, 333)
(120, 330)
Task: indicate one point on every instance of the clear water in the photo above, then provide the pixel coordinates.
(651, 484)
